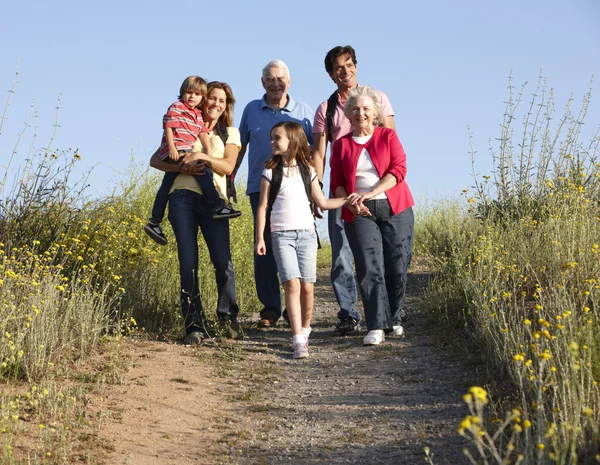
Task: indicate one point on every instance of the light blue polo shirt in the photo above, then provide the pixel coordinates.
(255, 130)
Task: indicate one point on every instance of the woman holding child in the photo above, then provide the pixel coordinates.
(371, 162)
(189, 211)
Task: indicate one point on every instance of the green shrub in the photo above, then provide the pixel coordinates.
(519, 270)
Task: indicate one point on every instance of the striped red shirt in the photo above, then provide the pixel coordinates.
(186, 123)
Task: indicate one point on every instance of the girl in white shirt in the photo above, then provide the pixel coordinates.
(292, 225)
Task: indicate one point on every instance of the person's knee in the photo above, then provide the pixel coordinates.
(292, 286)
(307, 288)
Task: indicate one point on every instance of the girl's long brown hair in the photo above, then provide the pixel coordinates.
(298, 150)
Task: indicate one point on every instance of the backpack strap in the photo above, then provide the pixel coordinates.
(222, 132)
(276, 178)
(305, 173)
(331, 106)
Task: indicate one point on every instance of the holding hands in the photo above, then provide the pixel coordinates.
(355, 203)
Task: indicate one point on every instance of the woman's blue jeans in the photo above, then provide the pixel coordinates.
(188, 212)
(382, 248)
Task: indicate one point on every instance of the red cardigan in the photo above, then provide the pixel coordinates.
(387, 155)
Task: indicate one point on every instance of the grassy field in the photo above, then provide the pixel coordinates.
(517, 273)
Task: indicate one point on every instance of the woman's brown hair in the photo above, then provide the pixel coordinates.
(298, 150)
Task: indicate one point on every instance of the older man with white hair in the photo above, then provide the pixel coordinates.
(258, 118)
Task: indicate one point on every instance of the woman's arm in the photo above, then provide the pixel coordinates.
(354, 203)
(397, 164)
(162, 165)
(193, 168)
(387, 182)
(261, 217)
(223, 166)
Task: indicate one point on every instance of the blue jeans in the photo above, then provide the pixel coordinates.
(206, 182)
(265, 272)
(189, 211)
(382, 248)
(342, 272)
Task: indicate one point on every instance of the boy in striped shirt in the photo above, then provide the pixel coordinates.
(182, 124)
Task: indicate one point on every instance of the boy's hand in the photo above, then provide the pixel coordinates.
(260, 247)
(173, 154)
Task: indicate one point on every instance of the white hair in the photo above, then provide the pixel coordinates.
(276, 64)
(371, 94)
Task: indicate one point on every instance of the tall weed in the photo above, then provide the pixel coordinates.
(519, 269)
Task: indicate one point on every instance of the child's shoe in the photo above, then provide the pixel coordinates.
(225, 212)
(300, 349)
(155, 232)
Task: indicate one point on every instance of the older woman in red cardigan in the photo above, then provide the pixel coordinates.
(380, 225)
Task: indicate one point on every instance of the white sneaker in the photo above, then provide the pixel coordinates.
(300, 350)
(374, 337)
(397, 331)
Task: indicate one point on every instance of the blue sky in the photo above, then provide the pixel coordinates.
(444, 66)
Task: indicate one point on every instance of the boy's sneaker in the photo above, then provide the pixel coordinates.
(347, 326)
(155, 232)
(300, 350)
(374, 337)
(225, 212)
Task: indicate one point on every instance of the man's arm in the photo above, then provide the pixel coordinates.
(388, 122)
(240, 158)
(319, 157)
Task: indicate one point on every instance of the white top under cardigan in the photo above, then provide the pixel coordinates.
(291, 209)
(366, 173)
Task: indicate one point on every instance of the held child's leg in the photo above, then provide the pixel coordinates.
(209, 191)
(221, 210)
(162, 197)
(292, 302)
(153, 228)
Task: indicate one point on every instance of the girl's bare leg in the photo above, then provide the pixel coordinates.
(292, 303)
(307, 303)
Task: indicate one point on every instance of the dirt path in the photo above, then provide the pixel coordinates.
(248, 402)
